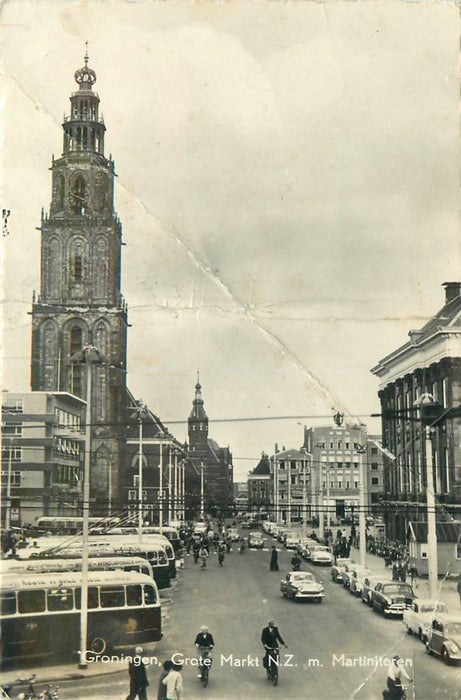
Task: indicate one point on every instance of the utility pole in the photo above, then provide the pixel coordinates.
(202, 491)
(89, 355)
(361, 450)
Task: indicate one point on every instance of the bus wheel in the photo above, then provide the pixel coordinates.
(98, 644)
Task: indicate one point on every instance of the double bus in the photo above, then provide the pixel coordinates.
(40, 613)
(102, 563)
(72, 525)
(64, 548)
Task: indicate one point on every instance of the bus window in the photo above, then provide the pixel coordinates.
(8, 603)
(112, 596)
(150, 595)
(93, 600)
(31, 601)
(60, 599)
(134, 595)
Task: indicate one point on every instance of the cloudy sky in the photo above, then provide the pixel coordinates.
(288, 186)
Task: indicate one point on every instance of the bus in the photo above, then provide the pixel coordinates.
(146, 538)
(72, 525)
(40, 613)
(102, 563)
(169, 532)
(58, 548)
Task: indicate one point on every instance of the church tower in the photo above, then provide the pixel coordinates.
(198, 422)
(80, 302)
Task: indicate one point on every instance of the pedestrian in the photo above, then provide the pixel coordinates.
(138, 676)
(274, 562)
(173, 683)
(167, 666)
(395, 572)
(412, 572)
(403, 572)
(196, 551)
(221, 553)
(203, 557)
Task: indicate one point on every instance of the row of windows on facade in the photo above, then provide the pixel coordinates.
(406, 399)
(65, 419)
(339, 465)
(409, 478)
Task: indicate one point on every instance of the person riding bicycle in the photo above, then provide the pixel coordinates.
(295, 562)
(204, 642)
(395, 689)
(270, 638)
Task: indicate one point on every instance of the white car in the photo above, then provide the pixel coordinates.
(291, 540)
(301, 585)
(321, 555)
(356, 579)
(417, 620)
(233, 534)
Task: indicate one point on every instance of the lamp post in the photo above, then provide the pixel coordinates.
(89, 355)
(361, 450)
(202, 491)
(276, 488)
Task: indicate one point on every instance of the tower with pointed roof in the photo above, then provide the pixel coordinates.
(216, 460)
(80, 301)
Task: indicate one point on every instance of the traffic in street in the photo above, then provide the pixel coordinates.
(337, 646)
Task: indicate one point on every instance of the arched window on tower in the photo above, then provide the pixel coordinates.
(54, 271)
(79, 195)
(76, 370)
(49, 356)
(59, 193)
(77, 264)
(101, 269)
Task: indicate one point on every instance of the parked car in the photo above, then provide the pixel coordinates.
(301, 585)
(291, 540)
(321, 555)
(445, 638)
(417, 620)
(356, 578)
(369, 582)
(347, 573)
(255, 539)
(392, 597)
(233, 534)
(338, 569)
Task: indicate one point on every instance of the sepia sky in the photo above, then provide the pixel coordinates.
(288, 178)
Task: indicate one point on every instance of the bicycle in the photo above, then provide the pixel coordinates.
(48, 693)
(205, 664)
(272, 664)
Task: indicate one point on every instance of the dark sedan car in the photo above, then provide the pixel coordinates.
(392, 598)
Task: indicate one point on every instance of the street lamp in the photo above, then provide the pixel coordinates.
(361, 450)
(89, 356)
(307, 454)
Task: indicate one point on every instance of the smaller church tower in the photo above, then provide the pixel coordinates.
(198, 422)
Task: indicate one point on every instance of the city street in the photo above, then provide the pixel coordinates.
(331, 646)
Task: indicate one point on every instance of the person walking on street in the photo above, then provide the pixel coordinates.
(167, 666)
(138, 677)
(412, 573)
(203, 557)
(173, 684)
(274, 562)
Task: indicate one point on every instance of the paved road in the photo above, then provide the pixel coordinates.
(331, 646)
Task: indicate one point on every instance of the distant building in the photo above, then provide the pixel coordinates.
(170, 481)
(291, 487)
(240, 491)
(42, 455)
(336, 454)
(375, 469)
(205, 453)
(259, 486)
(429, 363)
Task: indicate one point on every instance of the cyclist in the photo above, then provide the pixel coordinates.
(395, 690)
(270, 638)
(204, 642)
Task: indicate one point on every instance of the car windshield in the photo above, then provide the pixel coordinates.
(301, 578)
(454, 629)
(397, 588)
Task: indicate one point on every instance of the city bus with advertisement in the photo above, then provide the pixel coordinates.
(40, 613)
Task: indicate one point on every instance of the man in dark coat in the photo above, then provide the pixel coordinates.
(270, 636)
(274, 562)
(138, 677)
